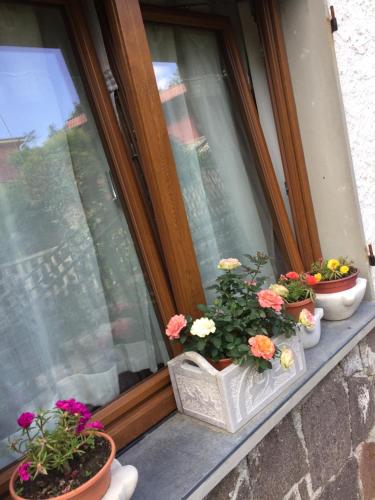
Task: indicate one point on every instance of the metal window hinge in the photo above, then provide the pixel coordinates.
(334, 26)
(371, 257)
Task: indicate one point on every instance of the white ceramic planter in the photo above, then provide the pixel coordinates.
(231, 397)
(341, 305)
(124, 479)
(310, 336)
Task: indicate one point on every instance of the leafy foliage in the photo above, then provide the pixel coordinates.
(297, 289)
(238, 317)
(332, 269)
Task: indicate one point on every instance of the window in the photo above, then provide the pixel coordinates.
(88, 271)
(78, 318)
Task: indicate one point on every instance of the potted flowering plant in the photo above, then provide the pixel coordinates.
(334, 275)
(296, 290)
(239, 325)
(309, 327)
(64, 455)
(339, 290)
(240, 355)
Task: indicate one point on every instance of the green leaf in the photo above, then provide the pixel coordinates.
(243, 348)
(201, 344)
(216, 342)
(228, 336)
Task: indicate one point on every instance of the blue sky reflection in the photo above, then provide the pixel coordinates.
(36, 90)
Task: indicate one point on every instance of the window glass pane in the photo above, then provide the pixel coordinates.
(76, 317)
(224, 201)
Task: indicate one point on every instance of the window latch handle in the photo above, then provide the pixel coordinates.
(371, 257)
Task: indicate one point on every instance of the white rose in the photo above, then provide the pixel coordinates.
(203, 327)
(229, 264)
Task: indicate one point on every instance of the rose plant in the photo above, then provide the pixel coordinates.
(242, 320)
(51, 441)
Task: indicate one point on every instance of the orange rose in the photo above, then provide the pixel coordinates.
(262, 347)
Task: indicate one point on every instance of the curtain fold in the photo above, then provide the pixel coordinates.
(223, 197)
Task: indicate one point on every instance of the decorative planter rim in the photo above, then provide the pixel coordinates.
(85, 486)
(333, 286)
(299, 303)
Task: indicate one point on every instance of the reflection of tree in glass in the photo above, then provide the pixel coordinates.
(56, 180)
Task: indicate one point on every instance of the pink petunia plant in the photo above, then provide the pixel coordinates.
(45, 448)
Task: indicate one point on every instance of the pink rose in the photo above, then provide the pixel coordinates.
(262, 347)
(268, 298)
(250, 282)
(175, 325)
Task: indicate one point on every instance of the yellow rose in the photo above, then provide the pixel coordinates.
(318, 276)
(280, 290)
(344, 269)
(286, 358)
(333, 264)
(228, 264)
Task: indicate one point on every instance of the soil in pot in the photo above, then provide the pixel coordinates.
(220, 364)
(294, 308)
(334, 286)
(56, 483)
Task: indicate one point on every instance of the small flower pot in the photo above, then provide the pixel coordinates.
(310, 336)
(220, 364)
(294, 308)
(341, 305)
(94, 489)
(231, 397)
(334, 286)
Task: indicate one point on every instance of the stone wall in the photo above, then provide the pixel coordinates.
(324, 449)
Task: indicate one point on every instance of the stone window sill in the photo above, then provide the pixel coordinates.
(184, 458)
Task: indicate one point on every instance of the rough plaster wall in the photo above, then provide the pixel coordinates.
(355, 53)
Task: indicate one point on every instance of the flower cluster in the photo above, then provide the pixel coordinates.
(332, 269)
(293, 287)
(45, 449)
(241, 321)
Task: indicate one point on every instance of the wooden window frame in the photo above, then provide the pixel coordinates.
(126, 40)
(286, 119)
(144, 405)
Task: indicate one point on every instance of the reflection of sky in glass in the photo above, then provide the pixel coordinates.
(36, 90)
(165, 72)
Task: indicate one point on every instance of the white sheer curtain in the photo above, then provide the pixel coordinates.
(76, 317)
(226, 208)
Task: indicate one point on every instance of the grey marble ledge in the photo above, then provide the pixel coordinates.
(184, 458)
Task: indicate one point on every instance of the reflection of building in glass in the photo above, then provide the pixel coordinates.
(76, 121)
(182, 128)
(9, 172)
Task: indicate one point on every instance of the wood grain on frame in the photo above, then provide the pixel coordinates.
(290, 142)
(128, 49)
(132, 413)
(250, 116)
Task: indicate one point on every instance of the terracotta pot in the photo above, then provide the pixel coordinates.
(294, 309)
(334, 286)
(94, 489)
(221, 363)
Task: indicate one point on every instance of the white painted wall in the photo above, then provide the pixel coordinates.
(322, 121)
(355, 52)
